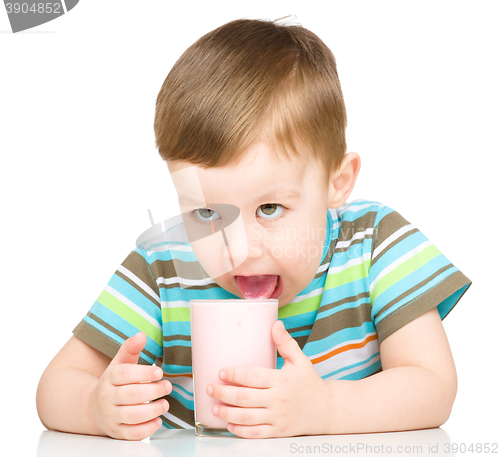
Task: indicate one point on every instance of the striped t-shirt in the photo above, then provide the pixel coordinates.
(378, 272)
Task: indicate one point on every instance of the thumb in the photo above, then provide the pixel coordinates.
(287, 346)
(130, 350)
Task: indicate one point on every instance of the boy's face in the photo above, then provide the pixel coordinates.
(282, 220)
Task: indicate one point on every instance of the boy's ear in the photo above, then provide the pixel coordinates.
(343, 179)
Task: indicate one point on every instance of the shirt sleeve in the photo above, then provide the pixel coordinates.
(408, 275)
(130, 303)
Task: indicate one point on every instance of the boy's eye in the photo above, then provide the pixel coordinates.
(206, 215)
(269, 210)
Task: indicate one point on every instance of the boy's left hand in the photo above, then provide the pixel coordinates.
(274, 403)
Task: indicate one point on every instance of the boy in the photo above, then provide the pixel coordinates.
(251, 122)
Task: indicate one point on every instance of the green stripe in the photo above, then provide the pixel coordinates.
(122, 310)
(300, 307)
(348, 275)
(409, 266)
(179, 314)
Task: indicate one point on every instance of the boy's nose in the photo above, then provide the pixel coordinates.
(244, 242)
(236, 242)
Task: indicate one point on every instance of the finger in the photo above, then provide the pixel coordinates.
(239, 396)
(137, 414)
(130, 350)
(135, 394)
(140, 431)
(252, 431)
(286, 345)
(250, 376)
(242, 416)
(131, 374)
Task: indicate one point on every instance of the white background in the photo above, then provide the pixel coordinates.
(79, 168)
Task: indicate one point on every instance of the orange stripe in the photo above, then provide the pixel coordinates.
(344, 349)
(189, 375)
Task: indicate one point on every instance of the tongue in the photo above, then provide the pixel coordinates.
(253, 287)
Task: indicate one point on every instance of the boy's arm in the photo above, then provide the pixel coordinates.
(416, 389)
(65, 387)
(84, 391)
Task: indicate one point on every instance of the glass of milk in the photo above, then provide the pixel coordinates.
(227, 333)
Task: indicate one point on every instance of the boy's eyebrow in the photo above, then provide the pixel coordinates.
(282, 193)
(187, 201)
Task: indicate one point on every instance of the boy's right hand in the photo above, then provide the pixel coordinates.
(118, 403)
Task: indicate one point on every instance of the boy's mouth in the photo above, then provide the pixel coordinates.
(259, 286)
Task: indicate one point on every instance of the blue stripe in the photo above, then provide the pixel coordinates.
(301, 320)
(136, 297)
(338, 293)
(350, 367)
(418, 276)
(426, 288)
(301, 333)
(185, 294)
(177, 328)
(446, 305)
(189, 404)
(396, 252)
(353, 212)
(117, 322)
(172, 343)
(184, 390)
(177, 369)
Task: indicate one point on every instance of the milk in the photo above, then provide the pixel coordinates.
(227, 333)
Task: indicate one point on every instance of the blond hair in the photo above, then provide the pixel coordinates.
(243, 76)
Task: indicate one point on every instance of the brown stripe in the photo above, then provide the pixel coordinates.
(177, 355)
(102, 342)
(422, 304)
(412, 290)
(116, 332)
(179, 410)
(351, 299)
(168, 421)
(352, 317)
(391, 245)
(350, 228)
(136, 264)
(300, 329)
(99, 341)
(301, 340)
(386, 227)
(328, 257)
(177, 337)
(140, 289)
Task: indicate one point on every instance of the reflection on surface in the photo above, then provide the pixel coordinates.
(58, 444)
(184, 443)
